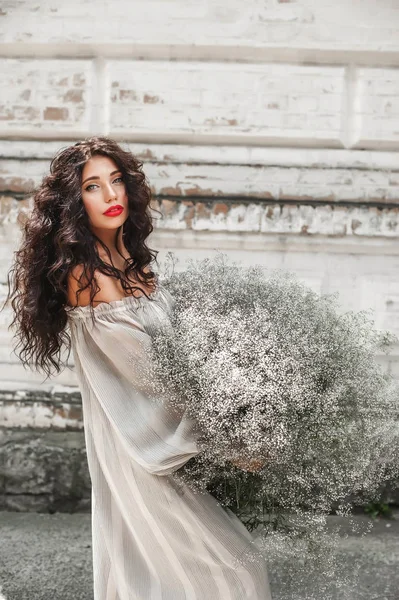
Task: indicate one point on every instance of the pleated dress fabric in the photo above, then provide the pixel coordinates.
(153, 538)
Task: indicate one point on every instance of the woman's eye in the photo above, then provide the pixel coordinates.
(93, 185)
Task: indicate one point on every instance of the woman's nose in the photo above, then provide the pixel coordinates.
(110, 192)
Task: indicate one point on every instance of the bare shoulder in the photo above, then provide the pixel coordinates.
(108, 289)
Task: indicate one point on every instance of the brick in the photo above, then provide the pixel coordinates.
(53, 113)
(219, 207)
(168, 207)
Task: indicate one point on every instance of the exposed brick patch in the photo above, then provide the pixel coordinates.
(168, 207)
(219, 207)
(45, 411)
(53, 113)
(125, 95)
(202, 210)
(170, 191)
(74, 96)
(44, 95)
(148, 99)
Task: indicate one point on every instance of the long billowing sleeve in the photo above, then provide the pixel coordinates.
(113, 365)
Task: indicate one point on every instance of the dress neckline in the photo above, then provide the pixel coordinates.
(113, 304)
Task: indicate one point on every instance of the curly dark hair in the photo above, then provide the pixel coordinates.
(57, 237)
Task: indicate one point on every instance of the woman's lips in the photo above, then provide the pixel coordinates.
(114, 212)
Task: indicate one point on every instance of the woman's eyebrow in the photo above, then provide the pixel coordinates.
(97, 177)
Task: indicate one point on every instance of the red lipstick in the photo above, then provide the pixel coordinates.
(114, 211)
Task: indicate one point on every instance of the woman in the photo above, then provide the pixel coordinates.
(84, 265)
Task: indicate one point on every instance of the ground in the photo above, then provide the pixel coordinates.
(48, 557)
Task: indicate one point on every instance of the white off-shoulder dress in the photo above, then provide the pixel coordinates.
(153, 538)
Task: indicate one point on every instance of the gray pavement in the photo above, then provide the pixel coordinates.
(48, 557)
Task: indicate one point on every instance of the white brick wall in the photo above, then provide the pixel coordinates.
(267, 129)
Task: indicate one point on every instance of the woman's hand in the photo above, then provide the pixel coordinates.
(252, 465)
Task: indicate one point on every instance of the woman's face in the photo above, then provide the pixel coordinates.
(103, 188)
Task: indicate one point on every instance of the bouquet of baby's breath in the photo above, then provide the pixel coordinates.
(293, 411)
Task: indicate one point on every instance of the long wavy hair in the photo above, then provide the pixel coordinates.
(57, 237)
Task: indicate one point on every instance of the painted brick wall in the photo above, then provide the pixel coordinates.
(269, 130)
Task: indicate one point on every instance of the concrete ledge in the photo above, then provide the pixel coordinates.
(46, 471)
(43, 471)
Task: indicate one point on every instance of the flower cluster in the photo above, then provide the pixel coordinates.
(278, 376)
